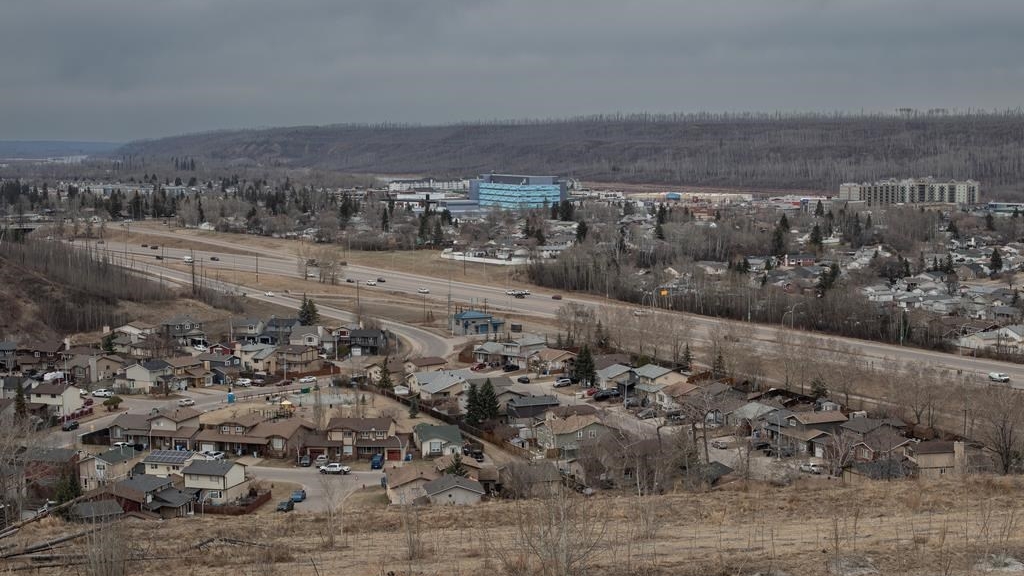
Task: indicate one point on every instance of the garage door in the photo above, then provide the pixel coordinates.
(394, 455)
(207, 447)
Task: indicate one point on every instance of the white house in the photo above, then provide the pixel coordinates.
(453, 490)
(61, 397)
(163, 463)
(218, 481)
(437, 440)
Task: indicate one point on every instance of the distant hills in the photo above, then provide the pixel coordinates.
(40, 149)
(810, 152)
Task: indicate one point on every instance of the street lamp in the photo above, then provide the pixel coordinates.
(792, 317)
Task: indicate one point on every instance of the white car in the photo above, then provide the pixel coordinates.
(510, 292)
(312, 275)
(307, 379)
(812, 468)
(424, 291)
(334, 468)
(200, 348)
(998, 377)
(214, 455)
(563, 382)
(371, 282)
(186, 402)
(271, 294)
(121, 445)
(243, 382)
(102, 393)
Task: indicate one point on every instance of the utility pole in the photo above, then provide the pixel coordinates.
(257, 268)
(192, 265)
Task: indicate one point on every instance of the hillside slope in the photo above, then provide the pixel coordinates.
(803, 152)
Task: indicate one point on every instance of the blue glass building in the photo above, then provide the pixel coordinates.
(513, 191)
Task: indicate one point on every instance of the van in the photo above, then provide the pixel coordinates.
(378, 462)
(188, 259)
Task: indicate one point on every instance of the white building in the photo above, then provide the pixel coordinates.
(912, 191)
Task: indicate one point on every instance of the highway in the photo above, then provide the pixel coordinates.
(763, 338)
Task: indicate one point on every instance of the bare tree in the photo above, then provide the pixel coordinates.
(1001, 413)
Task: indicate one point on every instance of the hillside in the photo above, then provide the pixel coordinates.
(812, 152)
(814, 527)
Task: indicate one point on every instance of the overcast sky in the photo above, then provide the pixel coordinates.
(123, 69)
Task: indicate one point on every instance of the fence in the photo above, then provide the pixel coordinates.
(237, 510)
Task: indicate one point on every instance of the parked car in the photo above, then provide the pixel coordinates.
(145, 245)
(286, 506)
(607, 394)
(200, 348)
(591, 391)
(258, 381)
(122, 445)
(102, 393)
(312, 275)
(69, 425)
(998, 377)
(298, 495)
(523, 380)
(243, 382)
(307, 379)
(350, 281)
(811, 468)
(214, 259)
(478, 367)
(632, 402)
(334, 468)
(556, 296)
(321, 460)
(159, 257)
(647, 413)
(510, 367)
(719, 444)
(376, 463)
(304, 461)
(285, 383)
(520, 295)
(424, 291)
(186, 402)
(214, 455)
(562, 382)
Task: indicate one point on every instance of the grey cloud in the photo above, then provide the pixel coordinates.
(120, 69)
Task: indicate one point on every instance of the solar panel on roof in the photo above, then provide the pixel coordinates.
(169, 456)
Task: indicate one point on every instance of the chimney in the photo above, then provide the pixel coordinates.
(67, 342)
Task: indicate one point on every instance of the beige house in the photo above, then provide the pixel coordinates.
(173, 429)
(563, 438)
(107, 467)
(551, 360)
(425, 364)
(359, 436)
(298, 358)
(405, 484)
(104, 367)
(218, 481)
(453, 491)
(935, 459)
(61, 397)
(164, 463)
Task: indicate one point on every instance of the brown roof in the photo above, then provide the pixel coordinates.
(214, 435)
(806, 434)
(428, 361)
(178, 414)
(572, 409)
(549, 354)
(292, 349)
(406, 474)
(131, 421)
(51, 387)
(182, 432)
(571, 424)
(247, 420)
(183, 361)
(283, 428)
(678, 389)
(360, 424)
(478, 470)
(823, 417)
(933, 447)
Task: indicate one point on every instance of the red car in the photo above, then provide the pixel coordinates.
(479, 367)
(591, 391)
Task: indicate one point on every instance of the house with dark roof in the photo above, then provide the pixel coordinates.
(61, 398)
(524, 409)
(368, 342)
(453, 490)
(298, 358)
(183, 329)
(437, 440)
(149, 494)
(10, 386)
(217, 481)
(112, 465)
(363, 438)
(173, 429)
(404, 484)
(97, 511)
(475, 322)
(277, 330)
(145, 376)
(130, 428)
(43, 468)
(247, 330)
(164, 463)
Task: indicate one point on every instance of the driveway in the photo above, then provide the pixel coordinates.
(318, 485)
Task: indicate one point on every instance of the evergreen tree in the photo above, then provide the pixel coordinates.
(819, 210)
(818, 388)
(784, 222)
(108, 343)
(384, 226)
(437, 237)
(414, 407)
(996, 260)
(566, 211)
(457, 467)
(659, 232)
(779, 241)
(474, 414)
(308, 313)
(948, 265)
(816, 238)
(385, 376)
(20, 408)
(585, 370)
(68, 488)
(488, 401)
(662, 215)
(952, 229)
(1016, 212)
(581, 231)
(718, 366)
(686, 363)
(990, 222)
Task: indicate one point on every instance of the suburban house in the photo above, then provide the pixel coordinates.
(8, 355)
(439, 384)
(173, 429)
(284, 438)
(104, 367)
(453, 490)
(485, 473)
(395, 368)
(874, 438)
(368, 342)
(11, 383)
(425, 364)
(363, 438)
(153, 494)
(247, 330)
(437, 440)
(650, 379)
(298, 358)
(308, 336)
(97, 511)
(803, 432)
(232, 434)
(673, 397)
(145, 376)
(405, 485)
(523, 410)
(553, 361)
(563, 438)
(60, 398)
(278, 330)
(611, 376)
(257, 357)
(164, 463)
(43, 468)
(183, 329)
(489, 353)
(935, 458)
(130, 428)
(475, 322)
(217, 481)
(518, 351)
(748, 413)
(111, 466)
(136, 331)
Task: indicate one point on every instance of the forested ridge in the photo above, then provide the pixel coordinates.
(772, 151)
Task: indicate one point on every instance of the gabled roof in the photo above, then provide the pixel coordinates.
(613, 371)
(652, 371)
(524, 401)
(529, 340)
(572, 410)
(51, 387)
(428, 361)
(360, 424)
(180, 319)
(865, 425)
(933, 447)
(571, 424)
(176, 415)
(210, 467)
(473, 315)
(398, 477)
(293, 349)
(449, 481)
(823, 417)
(117, 454)
(283, 428)
(172, 497)
(552, 354)
(49, 455)
(144, 483)
(182, 361)
(97, 509)
(447, 432)
(131, 421)
(490, 347)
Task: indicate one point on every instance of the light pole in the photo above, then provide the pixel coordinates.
(792, 316)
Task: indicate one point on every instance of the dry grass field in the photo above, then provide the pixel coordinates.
(953, 526)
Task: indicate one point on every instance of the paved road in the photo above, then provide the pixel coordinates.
(318, 485)
(763, 338)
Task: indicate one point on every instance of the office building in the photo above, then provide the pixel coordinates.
(912, 191)
(513, 192)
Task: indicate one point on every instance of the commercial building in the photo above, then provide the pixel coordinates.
(513, 192)
(912, 191)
